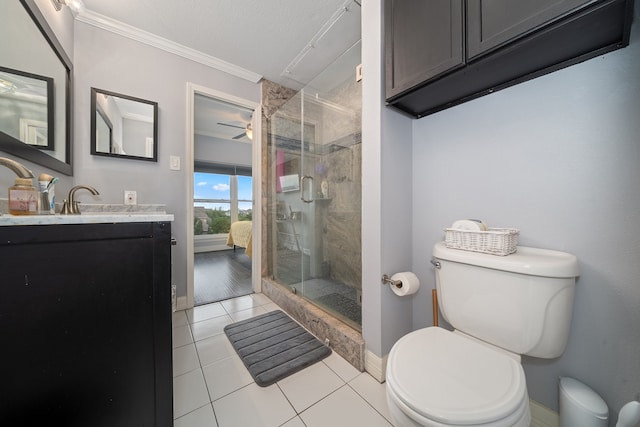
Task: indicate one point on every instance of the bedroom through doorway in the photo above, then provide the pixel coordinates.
(222, 200)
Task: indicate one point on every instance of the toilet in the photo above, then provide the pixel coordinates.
(500, 307)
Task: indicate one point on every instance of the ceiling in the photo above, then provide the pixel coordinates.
(218, 119)
(288, 42)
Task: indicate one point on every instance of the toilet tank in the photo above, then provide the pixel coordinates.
(521, 302)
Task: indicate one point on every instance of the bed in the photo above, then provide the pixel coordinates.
(240, 235)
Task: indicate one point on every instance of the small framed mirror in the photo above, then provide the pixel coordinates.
(123, 126)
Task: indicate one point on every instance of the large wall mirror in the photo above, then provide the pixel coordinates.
(35, 89)
(123, 126)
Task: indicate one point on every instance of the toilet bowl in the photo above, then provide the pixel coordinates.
(500, 308)
(440, 378)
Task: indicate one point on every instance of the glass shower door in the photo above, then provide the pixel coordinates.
(290, 265)
(315, 159)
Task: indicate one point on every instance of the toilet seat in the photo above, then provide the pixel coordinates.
(440, 378)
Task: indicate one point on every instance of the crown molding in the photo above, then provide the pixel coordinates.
(125, 30)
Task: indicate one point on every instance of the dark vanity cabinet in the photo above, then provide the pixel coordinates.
(85, 323)
(440, 53)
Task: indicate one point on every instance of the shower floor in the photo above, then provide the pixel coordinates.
(334, 297)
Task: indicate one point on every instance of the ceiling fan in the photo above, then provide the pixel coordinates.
(247, 130)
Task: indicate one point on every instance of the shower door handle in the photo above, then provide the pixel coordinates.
(305, 177)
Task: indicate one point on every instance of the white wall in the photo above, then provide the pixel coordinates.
(108, 61)
(556, 157)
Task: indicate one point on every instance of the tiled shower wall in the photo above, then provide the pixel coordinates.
(341, 227)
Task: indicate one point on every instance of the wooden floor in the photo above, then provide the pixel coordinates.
(221, 275)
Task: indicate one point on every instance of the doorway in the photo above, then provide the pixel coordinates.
(223, 175)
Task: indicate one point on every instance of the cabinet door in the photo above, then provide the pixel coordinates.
(79, 320)
(423, 39)
(492, 23)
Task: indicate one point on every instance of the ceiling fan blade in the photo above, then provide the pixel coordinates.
(239, 136)
(231, 126)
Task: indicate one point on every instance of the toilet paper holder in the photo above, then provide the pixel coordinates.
(387, 280)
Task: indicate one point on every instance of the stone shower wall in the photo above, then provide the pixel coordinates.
(342, 224)
(274, 96)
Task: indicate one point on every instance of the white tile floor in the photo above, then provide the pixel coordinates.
(213, 388)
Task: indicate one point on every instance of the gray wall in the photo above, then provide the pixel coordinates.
(386, 197)
(216, 150)
(556, 157)
(111, 62)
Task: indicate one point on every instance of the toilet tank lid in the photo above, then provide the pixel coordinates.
(526, 260)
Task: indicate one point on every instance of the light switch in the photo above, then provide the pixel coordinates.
(174, 163)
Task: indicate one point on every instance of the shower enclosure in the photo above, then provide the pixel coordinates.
(314, 191)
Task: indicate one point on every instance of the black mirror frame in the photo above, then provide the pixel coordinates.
(16, 147)
(94, 111)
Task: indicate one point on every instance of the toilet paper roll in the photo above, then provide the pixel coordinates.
(410, 283)
(469, 225)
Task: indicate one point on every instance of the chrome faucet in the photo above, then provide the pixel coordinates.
(19, 170)
(70, 206)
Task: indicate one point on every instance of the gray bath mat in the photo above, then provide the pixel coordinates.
(273, 346)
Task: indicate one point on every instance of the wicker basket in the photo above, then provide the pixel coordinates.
(494, 241)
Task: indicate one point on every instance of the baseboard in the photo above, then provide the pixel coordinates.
(211, 248)
(210, 243)
(541, 416)
(181, 303)
(375, 366)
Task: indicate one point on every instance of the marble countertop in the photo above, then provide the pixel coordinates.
(91, 214)
(86, 218)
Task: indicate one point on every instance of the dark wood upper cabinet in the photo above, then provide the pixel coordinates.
(439, 54)
(426, 39)
(492, 23)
